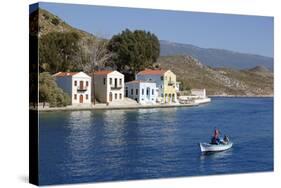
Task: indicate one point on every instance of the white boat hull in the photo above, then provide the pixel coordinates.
(205, 147)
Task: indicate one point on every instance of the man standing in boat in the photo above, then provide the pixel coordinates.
(216, 137)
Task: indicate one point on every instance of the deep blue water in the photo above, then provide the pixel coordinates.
(95, 146)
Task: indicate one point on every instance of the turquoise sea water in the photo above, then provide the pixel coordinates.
(95, 146)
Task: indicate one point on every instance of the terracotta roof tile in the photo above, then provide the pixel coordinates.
(139, 81)
(61, 74)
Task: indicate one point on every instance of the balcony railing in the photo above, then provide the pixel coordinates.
(171, 83)
(116, 87)
(82, 88)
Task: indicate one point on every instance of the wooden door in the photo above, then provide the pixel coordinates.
(81, 99)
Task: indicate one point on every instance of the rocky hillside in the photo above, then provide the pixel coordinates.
(193, 74)
(43, 22)
(48, 22)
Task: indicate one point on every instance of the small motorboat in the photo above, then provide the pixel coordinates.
(206, 147)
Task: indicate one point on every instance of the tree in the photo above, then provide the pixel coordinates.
(98, 56)
(134, 51)
(50, 92)
(58, 52)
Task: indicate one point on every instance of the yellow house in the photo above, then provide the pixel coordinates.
(170, 93)
(165, 82)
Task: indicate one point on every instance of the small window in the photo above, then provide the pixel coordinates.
(110, 81)
(87, 83)
(120, 81)
(132, 91)
(75, 96)
(161, 77)
(104, 81)
(87, 96)
(142, 91)
(115, 95)
(137, 91)
(75, 83)
(152, 91)
(120, 96)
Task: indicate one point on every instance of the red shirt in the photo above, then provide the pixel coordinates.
(216, 133)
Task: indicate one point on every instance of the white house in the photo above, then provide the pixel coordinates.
(76, 84)
(201, 93)
(166, 83)
(109, 86)
(144, 92)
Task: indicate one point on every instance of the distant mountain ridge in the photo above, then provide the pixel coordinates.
(216, 57)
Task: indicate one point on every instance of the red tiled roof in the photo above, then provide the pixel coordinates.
(102, 72)
(61, 74)
(152, 72)
(139, 81)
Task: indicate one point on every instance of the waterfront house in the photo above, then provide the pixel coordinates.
(76, 84)
(166, 84)
(201, 93)
(109, 86)
(144, 92)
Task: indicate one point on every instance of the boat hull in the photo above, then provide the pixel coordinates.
(205, 147)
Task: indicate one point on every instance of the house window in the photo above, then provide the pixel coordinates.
(126, 93)
(142, 91)
(161, 77)
(75, 96)
(115, 95)
(110, 81)
(75, 83)
(137, 91)
(120, 81)
(87, 83)
(120, 96)
(115, 82)
(87, 96)
(104, 81)
(147, 91)
(81, 84)
(152, 91)
(132, 91)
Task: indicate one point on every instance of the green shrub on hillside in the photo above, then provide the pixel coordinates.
(59, 52)
(55, 21)
(50, 92)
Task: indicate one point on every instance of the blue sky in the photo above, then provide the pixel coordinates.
(248, 34)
